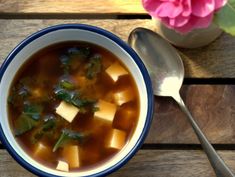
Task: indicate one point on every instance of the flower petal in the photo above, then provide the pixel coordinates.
(220, 3)
(202, 8)
(178, 21)
(187, 8)
(151, 6)
(169, 9)
(204, 22)
(187, 27)
(166, 21)
(194, 23)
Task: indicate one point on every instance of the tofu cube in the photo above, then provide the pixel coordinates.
(71, 155)
(123, 96)
(41, 150)
(125, 119)
(116, 139)
(106, 110)
(62, 166)
(115, 71)
(67, 111)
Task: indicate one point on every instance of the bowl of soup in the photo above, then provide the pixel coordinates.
(75, 101)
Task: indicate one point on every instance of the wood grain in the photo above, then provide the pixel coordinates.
(215, 60)
(151, 163)
(72, 6)
(213, 107)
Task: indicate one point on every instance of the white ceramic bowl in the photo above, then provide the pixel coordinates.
(76, 32)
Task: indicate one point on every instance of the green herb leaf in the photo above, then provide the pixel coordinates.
(64, 59)
(23, 91)
(94, 66)
(24, 124)
(18, 94)
(63, 94)
(66, 136)
(82, 102)
(67, 85)
(72, 54)
(224, 18)
(73, 97)
(48, 125)
(32, 110)
(80, 53)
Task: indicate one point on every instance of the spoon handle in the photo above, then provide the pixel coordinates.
(221, 169)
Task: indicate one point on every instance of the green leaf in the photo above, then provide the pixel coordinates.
(94, 66)
(48, 125)
(24, 124)
(73, 97)
(23, 91)
(64, 59)
(66, 136)
(18, 94)
(225, 17)
(66, 84)
(80, 53)
(62, 94)
(79, 102)
(33, 110)
(73, 54)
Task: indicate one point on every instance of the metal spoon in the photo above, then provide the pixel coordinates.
(166, 70)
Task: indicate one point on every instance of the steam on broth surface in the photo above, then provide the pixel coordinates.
(73, 105)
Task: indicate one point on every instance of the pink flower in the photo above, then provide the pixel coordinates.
(184, 15)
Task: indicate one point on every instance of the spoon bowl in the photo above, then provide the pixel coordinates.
(168, 74)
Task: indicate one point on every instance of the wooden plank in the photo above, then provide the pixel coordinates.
(151, 163)
(213, 107)
(215, 60)
(166, 163)
(72, 6)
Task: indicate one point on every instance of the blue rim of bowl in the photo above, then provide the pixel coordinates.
(124, 46)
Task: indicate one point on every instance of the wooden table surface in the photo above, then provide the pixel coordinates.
(171, 148)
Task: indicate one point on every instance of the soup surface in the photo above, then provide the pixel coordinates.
(73, 105)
